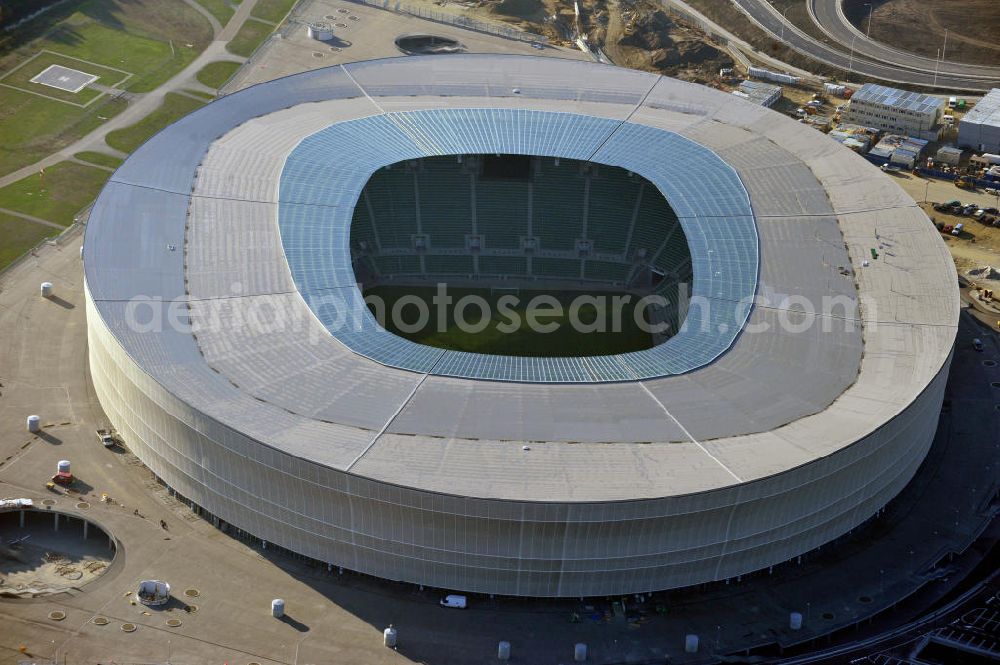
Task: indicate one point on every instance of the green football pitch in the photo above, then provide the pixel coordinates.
(517, 322)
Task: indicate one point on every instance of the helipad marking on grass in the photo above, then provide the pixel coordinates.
(64, 78)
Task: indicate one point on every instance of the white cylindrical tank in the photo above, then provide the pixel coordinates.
(580, 652)
(46, 289)
(320, 31)
(63, 466)
(277, 608)
(795, 620)
(389, 637)
(691, 643)
(503, 650)
(34, 423)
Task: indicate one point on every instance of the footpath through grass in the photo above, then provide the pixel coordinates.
(174, 107)
(99, 158)
(55, 195)
(220, 9)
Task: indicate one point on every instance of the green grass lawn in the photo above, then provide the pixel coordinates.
(174, 107)
(153, 39)
(21, 77)
(272, 10)
(215, 74)
(32, 128)
(64, 190)
(251, 35)
(99, 158)
(19, 235)
(508, 332)
(220, 9)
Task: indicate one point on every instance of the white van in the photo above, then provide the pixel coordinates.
(952, 102)
(453, 600)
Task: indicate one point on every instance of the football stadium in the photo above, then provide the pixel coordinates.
(805, 315)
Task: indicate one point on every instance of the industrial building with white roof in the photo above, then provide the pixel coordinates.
(979, 129)
(724, 450)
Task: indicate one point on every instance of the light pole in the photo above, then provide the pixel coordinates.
(937, 63)
(871, 8)
(783, 21)
(926, 188)
(850, 65)
(944, 48)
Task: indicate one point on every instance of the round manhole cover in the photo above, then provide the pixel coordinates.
(48, 502)
(100, 621)
(192, 593)
(354, 18)
(173, 623)
(989, 363)
(317, 54)
(329, 17)
(341, 25)
(57, 615)
(190, 609)
(335, 49)
(128, 627)
(72, 574)
(83, 505)
(827, 615)
(864, 599)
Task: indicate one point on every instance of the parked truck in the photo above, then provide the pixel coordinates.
(106, 437)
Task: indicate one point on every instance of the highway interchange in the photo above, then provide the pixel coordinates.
(849, 49)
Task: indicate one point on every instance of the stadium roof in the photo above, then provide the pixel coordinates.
(190, 219)
(323, 177)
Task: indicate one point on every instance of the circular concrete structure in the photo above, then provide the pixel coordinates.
(800, 398)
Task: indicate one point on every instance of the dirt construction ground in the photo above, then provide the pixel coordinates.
(918, 26)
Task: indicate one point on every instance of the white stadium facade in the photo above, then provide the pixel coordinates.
(220, 265)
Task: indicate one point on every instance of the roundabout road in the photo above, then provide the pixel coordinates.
(869, 58)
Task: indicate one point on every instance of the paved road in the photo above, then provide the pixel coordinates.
(829, 16)
(950, 76)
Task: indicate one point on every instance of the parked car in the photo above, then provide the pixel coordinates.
(969, 209)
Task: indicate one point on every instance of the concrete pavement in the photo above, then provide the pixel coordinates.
(339, 618)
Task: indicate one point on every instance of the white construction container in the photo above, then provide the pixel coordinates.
(46, 289)
(34, 424)
(63, 466)
(277, 608)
